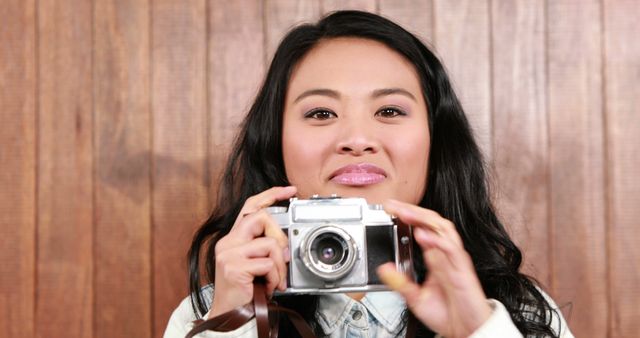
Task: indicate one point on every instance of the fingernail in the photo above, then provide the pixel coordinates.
(424, 295)
(417, 232)
(393, 279)
(286, 254)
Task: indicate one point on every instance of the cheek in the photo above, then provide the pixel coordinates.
(302, 158)
(412, 152)
(412, 167)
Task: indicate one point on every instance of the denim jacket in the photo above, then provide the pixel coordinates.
(377, 315)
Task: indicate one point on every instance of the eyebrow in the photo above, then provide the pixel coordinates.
(391, 91)
(319, 91)
(334, 94)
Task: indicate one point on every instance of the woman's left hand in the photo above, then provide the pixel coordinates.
(451, 301)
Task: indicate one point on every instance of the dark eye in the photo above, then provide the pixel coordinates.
(320, 114)
(390, 112)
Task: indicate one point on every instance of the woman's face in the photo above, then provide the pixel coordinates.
(355, 123)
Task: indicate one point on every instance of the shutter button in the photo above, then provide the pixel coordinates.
(356, 315)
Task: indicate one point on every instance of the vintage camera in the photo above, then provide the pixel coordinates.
(336, 244)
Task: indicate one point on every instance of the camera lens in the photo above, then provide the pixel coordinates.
(328, 248)
(329, 252)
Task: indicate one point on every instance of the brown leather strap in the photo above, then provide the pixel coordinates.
(225, 322)
(411, 326)
(405, 250)
(260, 308)
(236, 318)
(265, 314)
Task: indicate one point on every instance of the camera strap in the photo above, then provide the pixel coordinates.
(265, 313)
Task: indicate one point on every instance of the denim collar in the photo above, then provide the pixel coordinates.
(386, 307)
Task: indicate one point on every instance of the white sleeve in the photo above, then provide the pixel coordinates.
(500, 324)
(558, 323)
(181, 322)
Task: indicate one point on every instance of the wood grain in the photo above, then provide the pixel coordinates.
(17, 168)
(179, 132)
(64, 306)
(462, 39)
(576, 159)
(122, 252)
(415, 16)
(282, 15)
(520, 135)
(115, 116)
(236, 70)
(622, 115)
(327, 6)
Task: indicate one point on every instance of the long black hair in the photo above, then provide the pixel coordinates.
(457, 186)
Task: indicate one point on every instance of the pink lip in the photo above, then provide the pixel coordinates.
(358, 174)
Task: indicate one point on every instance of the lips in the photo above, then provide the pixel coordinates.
(358, 174)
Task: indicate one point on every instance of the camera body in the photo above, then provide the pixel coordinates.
(336, 244)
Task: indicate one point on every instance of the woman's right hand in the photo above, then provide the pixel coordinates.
(255, 246)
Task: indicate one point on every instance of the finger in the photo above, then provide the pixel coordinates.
(256, 225)
(422, 218)
(399, 282)
(273, 279)
(258, 267)
(267, 247)
(242, 265)
(456, 255)
(273, 230)
(450, 265)
(266, 198)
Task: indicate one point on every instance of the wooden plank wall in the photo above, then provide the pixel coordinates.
(115, 118)
(122, 163)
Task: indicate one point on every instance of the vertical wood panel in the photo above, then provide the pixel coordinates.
(65, 211)
(17, 168)
(623, 139)
(462, 39)
(415, 16)
(179, 136)
(282, 15)
(327, 6)
(122, 180)
(576, 159)
(236, 68)
(520, 127)
(568, 171)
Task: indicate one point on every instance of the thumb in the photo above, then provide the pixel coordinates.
(399, 283)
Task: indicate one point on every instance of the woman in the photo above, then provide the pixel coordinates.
(357, 106)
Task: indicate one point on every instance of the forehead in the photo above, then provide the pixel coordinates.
(351, 64)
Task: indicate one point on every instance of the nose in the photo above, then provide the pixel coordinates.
(357, 138)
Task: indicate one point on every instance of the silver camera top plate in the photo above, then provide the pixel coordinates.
(331, 209)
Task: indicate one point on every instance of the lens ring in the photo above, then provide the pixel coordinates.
(345, 252)
(328, 248)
